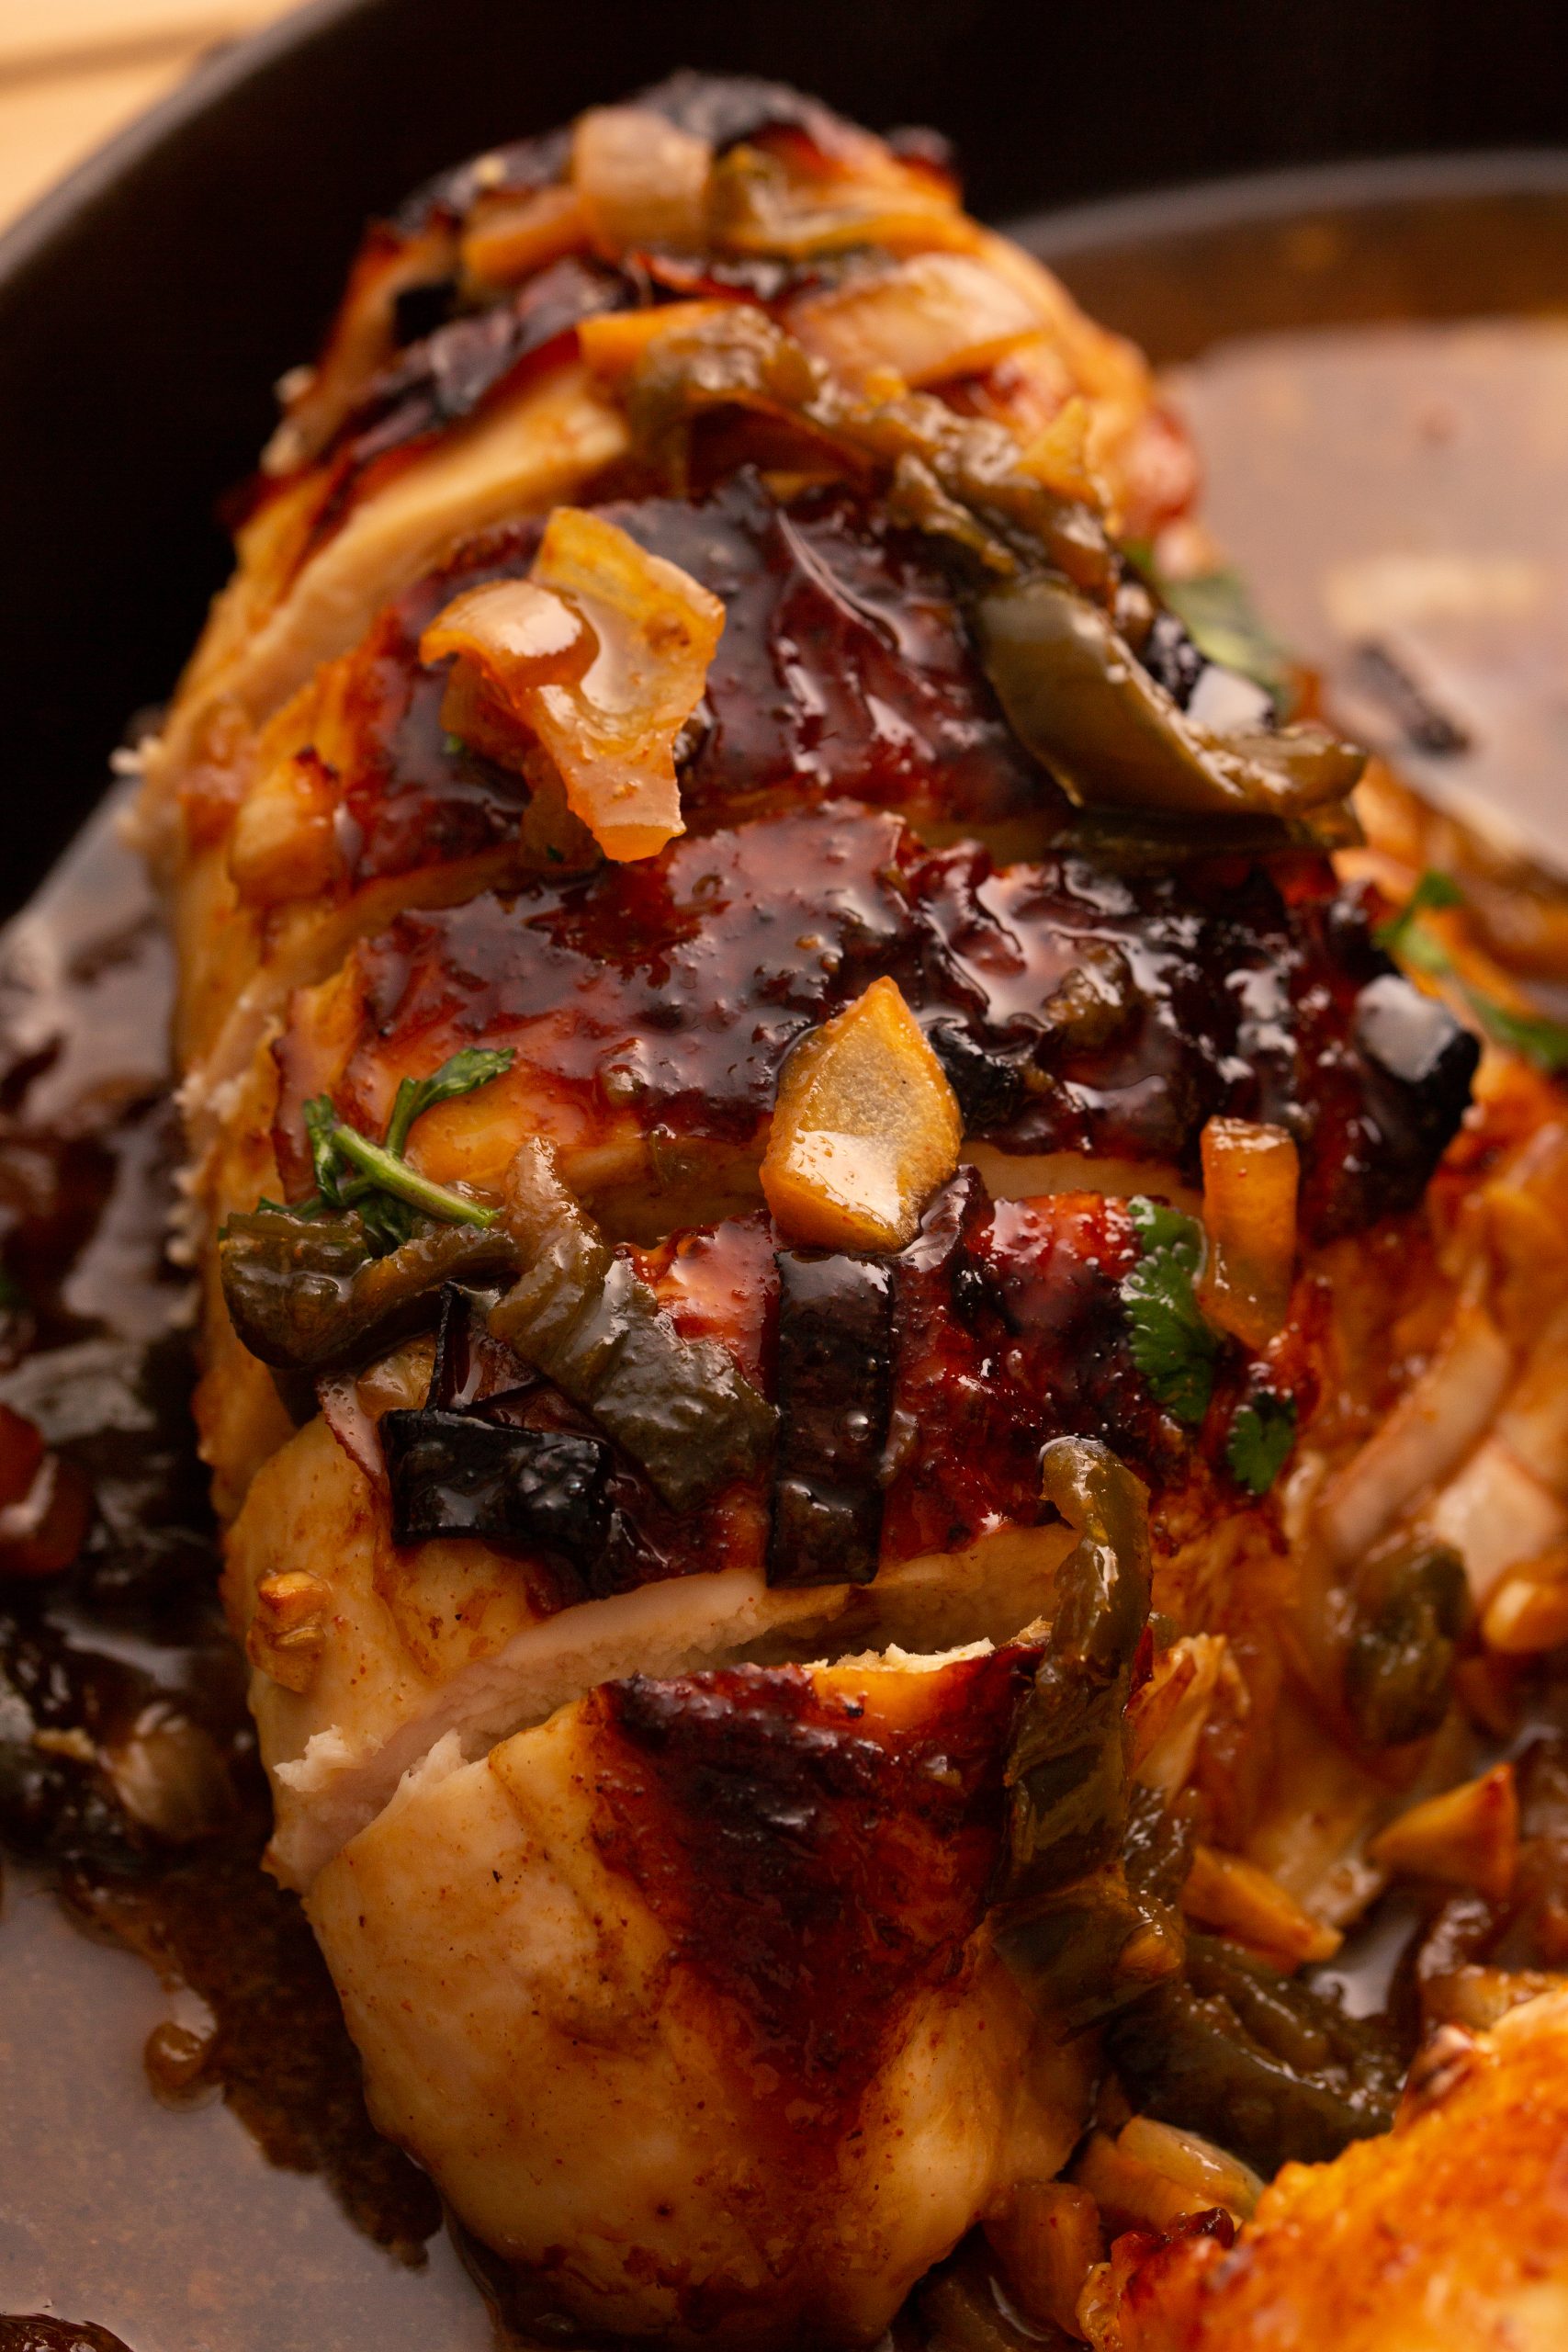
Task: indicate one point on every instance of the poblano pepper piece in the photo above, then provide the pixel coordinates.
(306, 1294)
(582, 1317)
(1080, 1938)
(1079, 698)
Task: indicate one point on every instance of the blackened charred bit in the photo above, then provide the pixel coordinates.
(835, 1376)
(470, 1367)
(418, 311)
(1170, 656)
(453, 1475)
(38, 2332)
(989, 1084)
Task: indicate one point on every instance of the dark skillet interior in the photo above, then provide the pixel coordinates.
(146, 305)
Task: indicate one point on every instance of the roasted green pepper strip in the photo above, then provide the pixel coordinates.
(1081, 702)
(681, 1407)
(1077, 1936)
(956, 477)
(1263, 2064)
(1072, 687)
(306, 1294)
(1411, 1608)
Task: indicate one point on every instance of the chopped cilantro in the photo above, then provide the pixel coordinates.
(1172, 1346)
(453, 745)
(375, 1177)
(1262, 1433)
(463, 1074)
(1411, 938)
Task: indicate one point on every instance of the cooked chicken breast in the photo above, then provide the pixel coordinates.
(887, 1398)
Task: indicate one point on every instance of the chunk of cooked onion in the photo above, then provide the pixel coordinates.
(601, 656)
(641, 180)
(928, 317)
(865, 1128)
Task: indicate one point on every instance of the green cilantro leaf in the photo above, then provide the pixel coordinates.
(1262, 1433)
(1414, 944)
(321, 1128)
(1172, 1346)
(375, 1177)
(465, 1073)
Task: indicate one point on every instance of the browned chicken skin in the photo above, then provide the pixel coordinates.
(866, 1357)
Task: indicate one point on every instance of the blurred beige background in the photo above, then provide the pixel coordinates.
(74, 72)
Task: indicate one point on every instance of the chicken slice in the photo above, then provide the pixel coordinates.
(687, 2000)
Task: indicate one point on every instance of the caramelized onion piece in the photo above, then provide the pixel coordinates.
(509, 237)
(641, 180)
(1251, 1173)
(865, 1129)
(939, 314)
(789, 197)
(682, 1407)
(602, 656)
(1467, 1837)
(1081, 1939)
(516, 635)
(1228, 1891)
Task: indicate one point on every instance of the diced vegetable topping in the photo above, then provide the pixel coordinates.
(1081, 1939)
(866, 1128)
(452, 1474)
(305, 1293)
(1112, 736)
(835, 1363)
(1267, 2067)
(1251, 1174)
(680, 1407)
(601, 656)
(1411, 1606)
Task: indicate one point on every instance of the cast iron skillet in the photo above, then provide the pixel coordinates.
(146, 305)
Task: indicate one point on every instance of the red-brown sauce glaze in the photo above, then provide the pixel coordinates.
(1229, 988)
